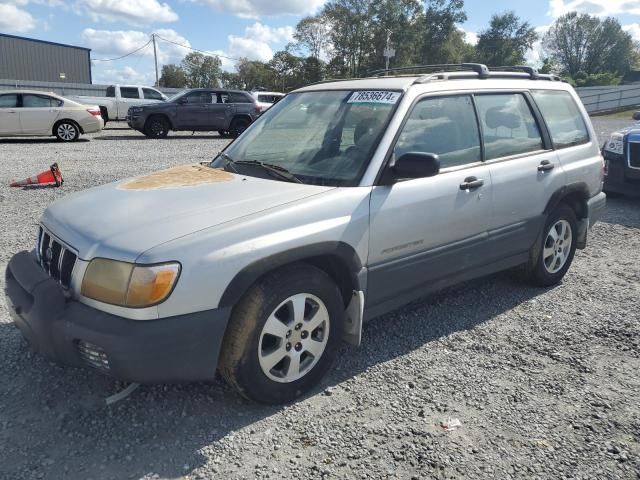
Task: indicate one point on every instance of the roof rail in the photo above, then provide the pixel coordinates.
(533, 72)
(479, 68)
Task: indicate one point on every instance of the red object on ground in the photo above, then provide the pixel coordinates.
(48, 177)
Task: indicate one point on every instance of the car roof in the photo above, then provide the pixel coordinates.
(34, 92)
(216, 89)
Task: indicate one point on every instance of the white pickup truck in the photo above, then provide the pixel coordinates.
(119, 98)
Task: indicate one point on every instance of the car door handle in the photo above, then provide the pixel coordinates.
(471, 183)
(545, 166)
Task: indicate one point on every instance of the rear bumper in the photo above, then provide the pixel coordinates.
(176, 349)
(92, 125)
(596, 207)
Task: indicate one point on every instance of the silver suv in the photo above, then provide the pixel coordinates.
(342, 202)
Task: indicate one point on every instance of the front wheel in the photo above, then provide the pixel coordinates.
(283, 335)
(156, 127)
(66, 131)
(557, 248)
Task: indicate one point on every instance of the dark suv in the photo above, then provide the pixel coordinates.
(229, 112)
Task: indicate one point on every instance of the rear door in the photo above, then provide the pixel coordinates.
(39, 113)
(524, 169)
(222, 111)
(9, 114)
(129, 96)
(426, 230)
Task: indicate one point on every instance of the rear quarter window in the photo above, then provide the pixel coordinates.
(563, 118)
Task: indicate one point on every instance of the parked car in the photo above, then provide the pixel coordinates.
(34, 113)
(262, 262)
(266, 99)
(622, 156)
(119, 98)
(229, 112)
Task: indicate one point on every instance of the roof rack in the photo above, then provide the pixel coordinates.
(478, 68)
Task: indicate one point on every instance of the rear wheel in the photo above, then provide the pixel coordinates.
(557, 248)
(238, 126)
(156, 127)
(66, 131)
(283, 335)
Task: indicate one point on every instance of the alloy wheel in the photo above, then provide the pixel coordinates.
(557, 246)
(67, 132)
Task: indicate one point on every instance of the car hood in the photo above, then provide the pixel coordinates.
(124, 219)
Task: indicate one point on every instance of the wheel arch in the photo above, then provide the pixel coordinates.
(159, 114)
(339, 260)
(575, 195)
(70, 120)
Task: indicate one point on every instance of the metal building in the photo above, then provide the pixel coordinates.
(29, 59)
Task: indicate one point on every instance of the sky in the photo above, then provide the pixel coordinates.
(231, 28)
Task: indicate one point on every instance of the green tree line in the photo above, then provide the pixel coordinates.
(348, 38)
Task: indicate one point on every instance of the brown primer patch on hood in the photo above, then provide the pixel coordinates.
(176, 177)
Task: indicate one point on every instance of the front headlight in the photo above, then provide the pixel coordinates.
(127, 284)
(615, 144)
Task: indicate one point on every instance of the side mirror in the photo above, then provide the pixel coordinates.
(636, 116)
(182, 101)
(416, 165)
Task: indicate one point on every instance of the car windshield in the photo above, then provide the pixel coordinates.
(322, 138)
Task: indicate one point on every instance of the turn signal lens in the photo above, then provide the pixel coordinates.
(151, 285)
(129, 285)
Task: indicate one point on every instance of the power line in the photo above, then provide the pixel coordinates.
(196, 49)
(123, 56)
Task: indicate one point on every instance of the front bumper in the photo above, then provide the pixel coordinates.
(136, 122)
(176, 349)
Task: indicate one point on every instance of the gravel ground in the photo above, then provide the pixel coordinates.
(544, 382)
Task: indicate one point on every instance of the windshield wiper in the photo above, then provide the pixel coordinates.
(277, 170)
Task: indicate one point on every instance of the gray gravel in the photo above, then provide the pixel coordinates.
(544, 382)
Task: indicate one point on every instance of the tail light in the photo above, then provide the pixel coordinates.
(95, 112)
(258, 109)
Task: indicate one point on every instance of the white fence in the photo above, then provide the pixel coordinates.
(608, 99)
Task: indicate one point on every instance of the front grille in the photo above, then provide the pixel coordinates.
(634, 155)
(55, 258)
(93, 355)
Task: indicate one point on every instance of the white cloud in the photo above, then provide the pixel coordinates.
(535, 55)
(601, 8)
(137, 12)
(633, 30)
(14, 19)
(469, 37)
(125, 75)
(267, 34)
(258, 8)
(121, 42)
(257, 42)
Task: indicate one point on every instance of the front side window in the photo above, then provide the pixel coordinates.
(445, 126)
(40, 101)
(508, 126)
(323, 137)
(563, 118)
(129, 92)
(199, 98)
(151, 94)
(9, 101)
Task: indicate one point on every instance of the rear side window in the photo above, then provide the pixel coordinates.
(111, 91)
(563, 118)
(445, 126)
(9, 101)
(40, 101)
(129, 92)
(151, 94)
(508, 126)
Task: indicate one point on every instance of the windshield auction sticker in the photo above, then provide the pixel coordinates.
(374, 97)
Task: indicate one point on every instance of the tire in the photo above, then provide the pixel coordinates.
(264, 330)
(556, 248)
(66, 131)
(223, 133)
(105, 115)
(157, 127)
(238, 126)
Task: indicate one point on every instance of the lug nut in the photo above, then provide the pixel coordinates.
(298, 326)
(298, 347)
(304, 334)
(288, 333)
(288, 347)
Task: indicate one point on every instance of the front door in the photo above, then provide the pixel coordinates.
(426, 230)
(39, 113)
(9, 115)
(194, 113)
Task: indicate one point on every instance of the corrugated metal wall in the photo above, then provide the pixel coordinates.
(25, 59)
(66, 88)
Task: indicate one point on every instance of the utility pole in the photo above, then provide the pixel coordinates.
(155, 57)
(388, 51)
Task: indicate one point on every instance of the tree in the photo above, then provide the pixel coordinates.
(254, 74)
(506, 40)
(312, 33)
(173, 76)
(439, 22)
(231, 80)
(288, 67)
(201, 70)
(582, 43)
